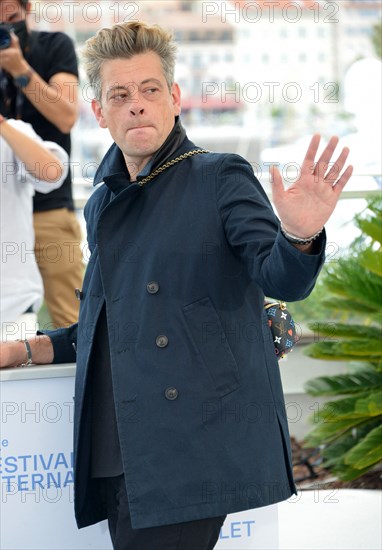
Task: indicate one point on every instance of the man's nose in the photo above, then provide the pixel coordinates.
(136, 105)
(136, 109)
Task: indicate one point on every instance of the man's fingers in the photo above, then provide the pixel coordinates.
(328, 151)
(324, 160)
(343, 179)
(14, 40)
(310, 165)
(276, 182)
(308, 162)
(335, 170)
(275, 179)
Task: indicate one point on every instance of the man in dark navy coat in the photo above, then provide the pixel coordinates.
(179, 411)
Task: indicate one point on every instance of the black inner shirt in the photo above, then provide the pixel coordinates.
(106, 458)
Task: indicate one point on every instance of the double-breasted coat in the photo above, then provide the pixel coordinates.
(182, 264)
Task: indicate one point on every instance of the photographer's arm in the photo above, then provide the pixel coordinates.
(38, 160)
(56, 100)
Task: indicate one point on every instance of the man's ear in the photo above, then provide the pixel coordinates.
(97, 110)
(175, 94)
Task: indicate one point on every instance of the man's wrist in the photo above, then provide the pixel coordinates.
(307, 248)
(15, 355)
(296, 240)
(28, 353)
(41, 350)
(22, 79)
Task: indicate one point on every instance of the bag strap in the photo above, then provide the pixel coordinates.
(171, 163)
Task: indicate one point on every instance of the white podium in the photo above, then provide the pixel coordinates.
(36, 470)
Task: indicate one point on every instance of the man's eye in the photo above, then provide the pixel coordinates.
(151, 91)
(119, 98)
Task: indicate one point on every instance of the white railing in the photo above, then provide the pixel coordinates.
(82, 189)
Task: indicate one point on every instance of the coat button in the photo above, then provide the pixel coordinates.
(78, 293)
(152, 287)
(171, 394)
(161, 341)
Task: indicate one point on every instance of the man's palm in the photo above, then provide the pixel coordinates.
(308, 203)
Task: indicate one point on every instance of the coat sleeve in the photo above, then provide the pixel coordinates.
(253, 231)
(64, 342)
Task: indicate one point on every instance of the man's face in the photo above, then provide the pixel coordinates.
(137, 106)
(11, 11)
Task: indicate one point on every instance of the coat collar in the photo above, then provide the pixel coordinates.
(113, 164)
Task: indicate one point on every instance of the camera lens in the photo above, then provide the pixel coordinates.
(5, 38)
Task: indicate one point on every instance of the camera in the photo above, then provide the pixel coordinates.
(5, 35)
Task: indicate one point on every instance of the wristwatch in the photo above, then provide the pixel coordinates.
(23, 80)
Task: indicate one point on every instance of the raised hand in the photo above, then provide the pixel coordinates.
(305, 206)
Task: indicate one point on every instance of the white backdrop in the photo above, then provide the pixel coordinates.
(37, 478)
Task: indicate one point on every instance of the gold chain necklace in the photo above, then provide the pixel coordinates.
(171, 163)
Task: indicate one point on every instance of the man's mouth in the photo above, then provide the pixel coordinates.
(138, 127)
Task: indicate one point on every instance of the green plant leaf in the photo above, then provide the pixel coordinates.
(372, 227)
(367, 452)
(333, 454)
(361, 347)
(347, 473)
(361, 405)
(352, 282)
(370, 405)
(327, 432)
(333, 351)
(349, 308)
(371, 260)
(343, 383)
(334, 418)
(334, 331)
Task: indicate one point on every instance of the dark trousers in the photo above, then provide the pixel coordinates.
(193, 535)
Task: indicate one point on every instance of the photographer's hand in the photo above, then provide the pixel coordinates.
(12, 59)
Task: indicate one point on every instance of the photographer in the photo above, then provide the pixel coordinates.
(27, 165)
(38, 84)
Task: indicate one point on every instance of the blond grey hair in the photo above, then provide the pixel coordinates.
(124, 41)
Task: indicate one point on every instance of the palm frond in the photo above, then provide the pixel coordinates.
(344, 383)
(350, 428)
(367, 452)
